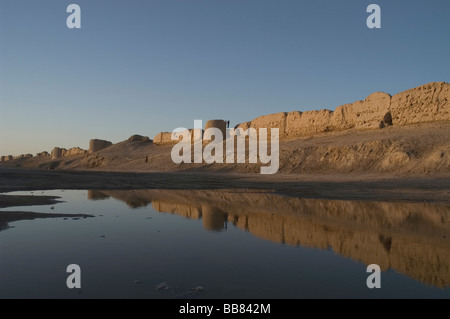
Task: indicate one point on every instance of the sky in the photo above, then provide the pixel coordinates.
(141, 67)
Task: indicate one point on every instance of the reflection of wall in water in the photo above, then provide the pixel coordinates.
(133, 198)
(212, 217)
(412, 238)
(413, 245)
(184, 210)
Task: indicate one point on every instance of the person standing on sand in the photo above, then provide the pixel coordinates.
(228, 124)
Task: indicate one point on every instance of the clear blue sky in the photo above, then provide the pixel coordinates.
(140, 67)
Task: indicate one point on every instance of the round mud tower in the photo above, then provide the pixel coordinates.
(56, 153)
(97, 145)
(220, 124)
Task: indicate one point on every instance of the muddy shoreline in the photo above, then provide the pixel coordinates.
(345, 187)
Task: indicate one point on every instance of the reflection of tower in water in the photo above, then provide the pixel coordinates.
(213, 218)
(96, 195)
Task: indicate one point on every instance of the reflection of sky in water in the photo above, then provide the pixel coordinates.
(152, 247)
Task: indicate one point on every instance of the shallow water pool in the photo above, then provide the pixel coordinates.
(224, 244)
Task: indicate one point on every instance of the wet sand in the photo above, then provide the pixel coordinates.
(341, 187)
